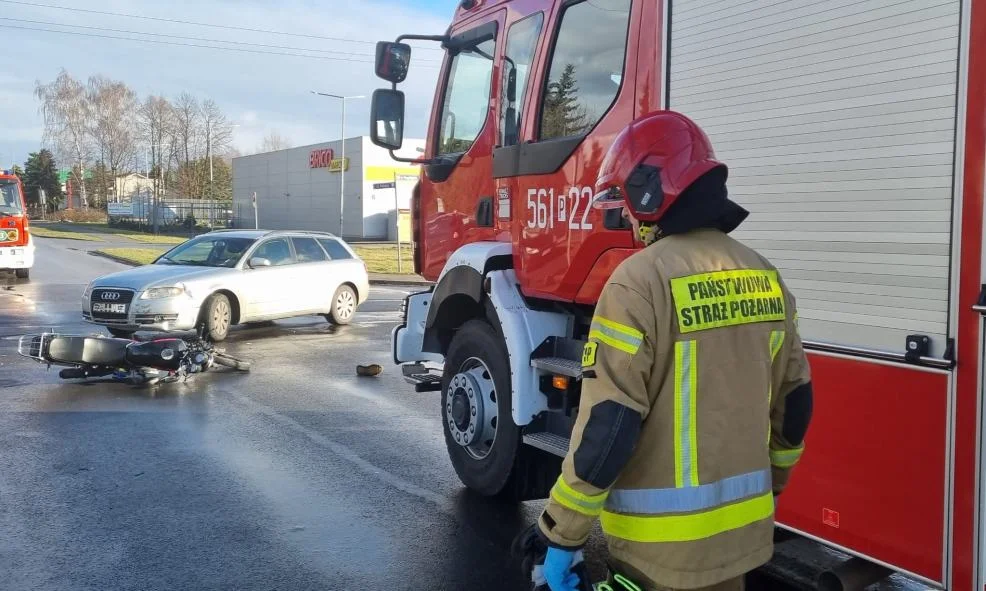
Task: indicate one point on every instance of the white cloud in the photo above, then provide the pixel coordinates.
(259, 92)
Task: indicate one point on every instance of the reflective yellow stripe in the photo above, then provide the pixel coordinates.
(776, 341)
(568, 497)
(629, 331)
(616, 344)
(785, 458)
(616, 335)
(685, 411)
(682, 528)
(727, 298)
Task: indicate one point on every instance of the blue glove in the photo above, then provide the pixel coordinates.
(558, 570)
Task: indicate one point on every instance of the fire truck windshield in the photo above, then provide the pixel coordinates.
(10, 198)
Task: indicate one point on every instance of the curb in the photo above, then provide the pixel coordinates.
(408, 283)
(96, 240)
(111, 257)
(398, 282)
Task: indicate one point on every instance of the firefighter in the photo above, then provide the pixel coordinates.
(696, 394)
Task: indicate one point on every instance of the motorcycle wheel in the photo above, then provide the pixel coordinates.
(230, 361)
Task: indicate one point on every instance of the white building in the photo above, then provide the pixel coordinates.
(299, 188)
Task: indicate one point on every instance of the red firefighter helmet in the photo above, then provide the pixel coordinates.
(651, 163)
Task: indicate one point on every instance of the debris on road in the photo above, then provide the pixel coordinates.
(368, 370)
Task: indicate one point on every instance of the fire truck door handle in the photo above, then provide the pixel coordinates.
(981, 301)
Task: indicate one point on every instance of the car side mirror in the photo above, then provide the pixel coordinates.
(387, 118)
(393, 60)
(259, 262)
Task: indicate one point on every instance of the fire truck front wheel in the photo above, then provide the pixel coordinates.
(22, 273)
(483, 442)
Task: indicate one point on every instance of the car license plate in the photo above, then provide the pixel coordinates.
(109, 308)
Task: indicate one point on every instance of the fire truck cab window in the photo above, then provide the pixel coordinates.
(467, 98)
(586, 67)
(521, 43)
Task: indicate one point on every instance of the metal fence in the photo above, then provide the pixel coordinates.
(170, 213)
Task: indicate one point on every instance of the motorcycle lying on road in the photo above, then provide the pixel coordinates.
(159, 360)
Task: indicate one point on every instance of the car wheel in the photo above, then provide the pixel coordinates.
(343, 306)
(121, 333)
(217, 316)
(22, 273)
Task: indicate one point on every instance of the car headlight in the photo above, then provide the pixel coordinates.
(157, 293)
(88, 291)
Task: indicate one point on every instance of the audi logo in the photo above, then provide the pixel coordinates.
(109, 295)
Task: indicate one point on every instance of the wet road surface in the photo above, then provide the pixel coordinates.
(299, 475)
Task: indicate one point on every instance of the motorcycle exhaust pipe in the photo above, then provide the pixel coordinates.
(854, 574)
(77, 373)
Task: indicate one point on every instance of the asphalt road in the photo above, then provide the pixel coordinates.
(299, 475)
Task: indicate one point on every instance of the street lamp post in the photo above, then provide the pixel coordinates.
(342, 169)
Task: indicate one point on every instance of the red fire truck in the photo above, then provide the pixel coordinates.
(855, 133)
(16, 246)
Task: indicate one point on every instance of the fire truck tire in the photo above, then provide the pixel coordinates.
(477, 364)
(22, 273)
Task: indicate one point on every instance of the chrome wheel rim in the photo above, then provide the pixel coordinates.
(471, 410)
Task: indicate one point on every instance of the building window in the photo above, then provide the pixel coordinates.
(521, 43)
(586, 67)
(467, 98)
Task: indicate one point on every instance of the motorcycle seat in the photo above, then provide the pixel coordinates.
(88, 350)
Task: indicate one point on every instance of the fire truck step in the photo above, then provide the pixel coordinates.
(422, 378)
(559, 366)
(549, 442)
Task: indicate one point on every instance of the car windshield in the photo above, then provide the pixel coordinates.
(10, 197)
(208, 251)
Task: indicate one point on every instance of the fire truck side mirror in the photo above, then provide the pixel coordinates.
(393, 60)
(387, 118)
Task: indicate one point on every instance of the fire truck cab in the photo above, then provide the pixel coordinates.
(855, 133)
(16, 245)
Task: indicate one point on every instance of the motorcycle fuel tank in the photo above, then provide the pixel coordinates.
(159, 354)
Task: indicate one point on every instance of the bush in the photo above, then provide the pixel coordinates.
(80, 216)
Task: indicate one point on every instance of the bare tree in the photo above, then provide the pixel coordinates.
(274, 141)
(186, 134)
(114, 108)
(67, 118)
(157, 122)
(218, 135)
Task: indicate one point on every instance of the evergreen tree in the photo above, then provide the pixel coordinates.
(41, 172)
(563, 114)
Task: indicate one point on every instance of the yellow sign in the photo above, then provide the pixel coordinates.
(589, 354)
(727, 298)
(337, 164)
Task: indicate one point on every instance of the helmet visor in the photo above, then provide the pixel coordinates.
(611, 198)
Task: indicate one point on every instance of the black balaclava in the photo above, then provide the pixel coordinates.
(705, 204)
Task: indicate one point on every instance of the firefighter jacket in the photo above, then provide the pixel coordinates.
(679, 442)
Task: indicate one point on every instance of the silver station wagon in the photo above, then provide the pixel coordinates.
(227, 277)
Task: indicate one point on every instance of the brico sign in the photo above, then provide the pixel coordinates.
(321, 158)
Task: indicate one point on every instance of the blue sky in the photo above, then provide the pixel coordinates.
(258, 92)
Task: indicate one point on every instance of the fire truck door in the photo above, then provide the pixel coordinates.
(459, 182)
(568, 88)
